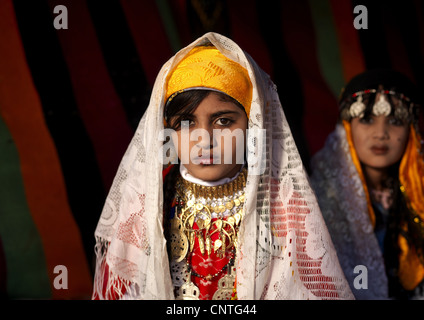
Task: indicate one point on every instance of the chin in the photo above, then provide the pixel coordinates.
(381, 165)
(209, 173)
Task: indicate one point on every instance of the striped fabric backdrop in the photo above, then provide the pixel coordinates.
(70, 100)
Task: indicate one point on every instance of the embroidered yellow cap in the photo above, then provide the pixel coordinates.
(206, 67)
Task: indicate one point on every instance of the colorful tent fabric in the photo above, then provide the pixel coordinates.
(70, 100)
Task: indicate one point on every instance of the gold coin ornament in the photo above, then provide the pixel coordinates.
(178, 241)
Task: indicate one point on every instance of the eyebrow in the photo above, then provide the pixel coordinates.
(220, 113)
(213, 115)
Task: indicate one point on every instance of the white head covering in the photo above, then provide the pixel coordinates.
(283, 240)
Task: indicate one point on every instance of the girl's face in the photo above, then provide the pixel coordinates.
(205, 154)
(379, 140)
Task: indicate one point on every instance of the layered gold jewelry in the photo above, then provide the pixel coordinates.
(202, 211)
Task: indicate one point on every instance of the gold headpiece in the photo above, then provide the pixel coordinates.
(206, 67)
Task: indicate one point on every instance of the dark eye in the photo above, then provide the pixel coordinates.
(186, 122)
(396, 122)
(177, 122)
(224, 121)
(366, 120)
(190, 122)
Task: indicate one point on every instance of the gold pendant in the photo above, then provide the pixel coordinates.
(223, 247)
(208, 244)
(192, 238)
(188, 291)
(178, 241)
(201, 243)
(217, 245)
(225, 286)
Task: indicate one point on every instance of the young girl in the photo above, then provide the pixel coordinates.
(216, 223)
(369, 183)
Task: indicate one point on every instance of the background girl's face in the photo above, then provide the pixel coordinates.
(202, 158)
(379, 141)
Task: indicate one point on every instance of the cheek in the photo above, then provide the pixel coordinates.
(237, 140)
(359, 139)
(184, 146)
(176, 140)
(402, 138)
(401, 142)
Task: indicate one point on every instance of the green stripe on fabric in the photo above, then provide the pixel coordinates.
(327, 45)
(27, 276)
(169, 24)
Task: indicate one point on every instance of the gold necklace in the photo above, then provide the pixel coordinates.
(202, 211)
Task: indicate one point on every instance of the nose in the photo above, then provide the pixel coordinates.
(204, 135)
(381, 129)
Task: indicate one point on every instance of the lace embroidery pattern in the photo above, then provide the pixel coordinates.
(133, 231)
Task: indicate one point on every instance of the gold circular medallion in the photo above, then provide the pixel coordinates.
(179, 245)
(229, 205)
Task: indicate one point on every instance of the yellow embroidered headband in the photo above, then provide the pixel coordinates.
(206, 67)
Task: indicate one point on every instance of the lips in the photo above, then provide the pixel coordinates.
(204, 160)
(380, 150)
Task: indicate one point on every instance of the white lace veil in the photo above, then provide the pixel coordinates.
(284, 248)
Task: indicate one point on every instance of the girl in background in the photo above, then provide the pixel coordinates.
(368, 179)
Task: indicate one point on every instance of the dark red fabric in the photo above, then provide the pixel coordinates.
(113, 294)
(204, 265)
